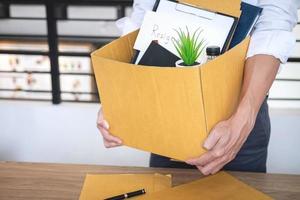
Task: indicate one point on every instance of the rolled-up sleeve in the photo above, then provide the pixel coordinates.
(272, 34)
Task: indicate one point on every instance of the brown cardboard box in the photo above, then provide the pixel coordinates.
(165, 110)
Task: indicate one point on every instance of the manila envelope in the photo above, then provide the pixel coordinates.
(219, 186)
(103, 186)
(166, 110)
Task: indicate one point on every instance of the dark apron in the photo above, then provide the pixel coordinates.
(252, 156)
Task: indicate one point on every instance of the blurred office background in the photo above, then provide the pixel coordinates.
(48, 95)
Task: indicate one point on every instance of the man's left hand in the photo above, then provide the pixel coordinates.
(224, 142)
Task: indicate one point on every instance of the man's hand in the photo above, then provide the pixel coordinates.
(227, 137)
(223, 143)
(108, 139)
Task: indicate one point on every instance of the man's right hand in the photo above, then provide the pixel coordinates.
(108, 139)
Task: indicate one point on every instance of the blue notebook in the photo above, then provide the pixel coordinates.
(249, 17)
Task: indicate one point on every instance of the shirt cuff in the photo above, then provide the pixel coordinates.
(126, 25)
(277, 43)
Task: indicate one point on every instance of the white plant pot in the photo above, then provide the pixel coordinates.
(179, 62)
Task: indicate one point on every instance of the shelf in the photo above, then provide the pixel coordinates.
(77, 54)
(79, 101)
(23, 99)
(77, 2)
(25, 72)
(44, 53)
(23, 36)
(22, 90)
(68, 19)
(47, 72)
(24, 52)
(84, 38)
(45, 100)
(60, 36)
(93, 39)
(70, 92)
(46, 91)
(75, 73)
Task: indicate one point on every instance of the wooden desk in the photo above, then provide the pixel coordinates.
(36, 181)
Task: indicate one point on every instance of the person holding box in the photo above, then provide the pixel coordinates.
(239, 143)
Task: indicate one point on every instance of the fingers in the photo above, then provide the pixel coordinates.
(100, 115)
(215, 166)
(213, 161)
(103, 124)
(212, 139)
(218, 164)
(218, 151)
(108, 144)
(223, 143)
(214, 136)
(202, 160)
(108, 139)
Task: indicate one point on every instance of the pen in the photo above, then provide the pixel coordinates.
(127, 195)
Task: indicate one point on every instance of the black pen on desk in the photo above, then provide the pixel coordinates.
(127, 195)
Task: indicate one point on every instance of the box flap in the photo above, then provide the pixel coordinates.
(229, 7)
(221, 84)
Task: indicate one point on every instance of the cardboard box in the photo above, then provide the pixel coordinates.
(165, 110)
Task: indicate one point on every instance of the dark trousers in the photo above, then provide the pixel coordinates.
(251, 157)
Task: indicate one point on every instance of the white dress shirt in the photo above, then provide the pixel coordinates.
(272, 33)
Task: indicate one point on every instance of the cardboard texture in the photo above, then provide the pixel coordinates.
(103, 186)
(165, 110)
(220, 186)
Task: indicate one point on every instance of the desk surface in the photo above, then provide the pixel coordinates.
(37, 181)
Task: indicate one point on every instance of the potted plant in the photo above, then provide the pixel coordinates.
(189, 47)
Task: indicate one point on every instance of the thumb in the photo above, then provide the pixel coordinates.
(106, 125)
(212, 139)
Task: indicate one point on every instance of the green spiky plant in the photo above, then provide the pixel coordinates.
(188, 45)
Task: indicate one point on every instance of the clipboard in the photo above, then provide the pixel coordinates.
(219, 25)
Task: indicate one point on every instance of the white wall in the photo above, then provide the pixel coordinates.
(284, 145)
(66, 133)
(42, 132)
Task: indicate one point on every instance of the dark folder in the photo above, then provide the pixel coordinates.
(156, 55)
(249, 17)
